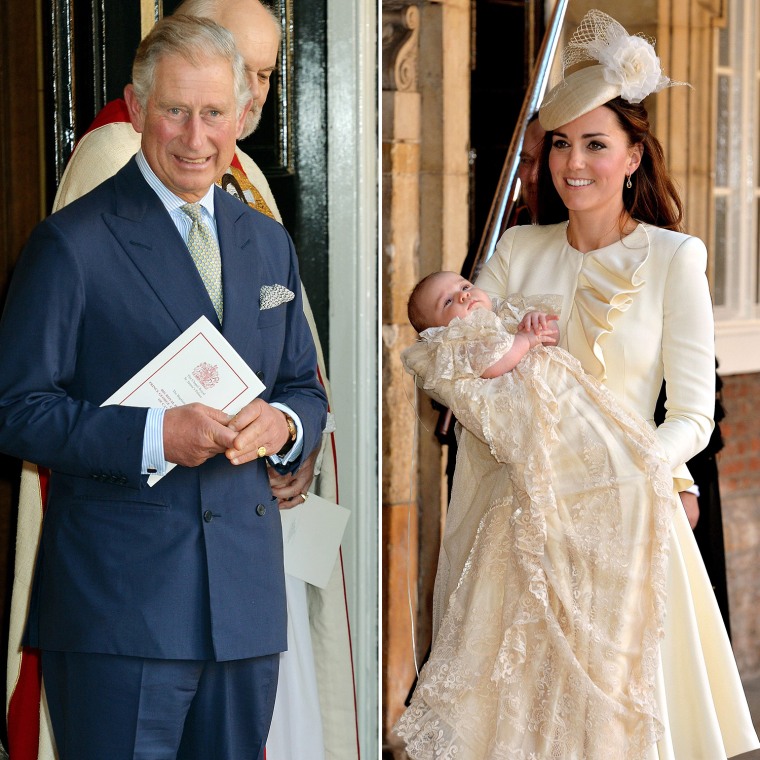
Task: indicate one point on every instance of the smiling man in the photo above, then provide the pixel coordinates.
(315, 687)
(160, 611)
(188, 119)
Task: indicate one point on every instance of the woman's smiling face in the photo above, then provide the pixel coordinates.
(589, 160)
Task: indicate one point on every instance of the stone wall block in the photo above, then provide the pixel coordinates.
(399, 551)
(398, 416)
(400, 247)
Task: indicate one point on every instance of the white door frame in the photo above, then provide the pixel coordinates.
(352, 95)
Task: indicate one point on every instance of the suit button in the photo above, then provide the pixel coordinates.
(261, 510)
(208, 515)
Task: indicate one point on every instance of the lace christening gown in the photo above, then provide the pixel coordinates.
(549, 645)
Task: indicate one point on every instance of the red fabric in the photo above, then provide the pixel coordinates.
(24, 708)
(44, 486)
(24, 704)
(111, 113)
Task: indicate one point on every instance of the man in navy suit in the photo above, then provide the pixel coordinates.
(159, 610)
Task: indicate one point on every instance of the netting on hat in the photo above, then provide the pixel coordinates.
(596, 31)
(629, 60)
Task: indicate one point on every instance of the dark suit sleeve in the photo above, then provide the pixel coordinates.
(49, 410)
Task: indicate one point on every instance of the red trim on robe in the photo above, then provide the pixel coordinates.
(24, 708)
(24, 704)
(112, 112)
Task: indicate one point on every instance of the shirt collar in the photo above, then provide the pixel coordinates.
(170, 201)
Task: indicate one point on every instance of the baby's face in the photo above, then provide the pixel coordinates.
(449, 295)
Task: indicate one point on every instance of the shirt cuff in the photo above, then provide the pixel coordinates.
(153, 443)
(693, 489)
(295, 451)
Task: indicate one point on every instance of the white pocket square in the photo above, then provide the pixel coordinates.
(273, 295)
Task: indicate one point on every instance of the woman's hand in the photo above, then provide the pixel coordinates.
(691, 507)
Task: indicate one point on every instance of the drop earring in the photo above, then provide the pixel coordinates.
(628, 183)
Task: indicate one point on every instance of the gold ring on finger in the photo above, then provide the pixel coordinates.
(261, 451)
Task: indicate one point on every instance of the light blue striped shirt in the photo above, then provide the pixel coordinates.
(173, 203)
(153, 437)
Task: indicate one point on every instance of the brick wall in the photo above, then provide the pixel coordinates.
(739, 467)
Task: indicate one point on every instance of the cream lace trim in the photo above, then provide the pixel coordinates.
(549, 647)
(467, 347)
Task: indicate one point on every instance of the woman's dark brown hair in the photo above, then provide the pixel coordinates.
(652, 199)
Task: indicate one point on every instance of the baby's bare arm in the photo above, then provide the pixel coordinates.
(536, 327)
(524, 341)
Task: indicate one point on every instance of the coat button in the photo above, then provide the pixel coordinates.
(261, 510)
(208, 515)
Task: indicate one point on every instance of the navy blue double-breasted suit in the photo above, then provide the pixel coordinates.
(191, 568)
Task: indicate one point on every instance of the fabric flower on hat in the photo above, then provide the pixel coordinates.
(626, 67)
(630, 61)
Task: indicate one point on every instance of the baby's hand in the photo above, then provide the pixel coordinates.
(536, 321)
(543, 337)
(541, 326)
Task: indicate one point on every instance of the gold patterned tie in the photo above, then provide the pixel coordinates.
(205, 252)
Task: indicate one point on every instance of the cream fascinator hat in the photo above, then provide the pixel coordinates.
(627, 67)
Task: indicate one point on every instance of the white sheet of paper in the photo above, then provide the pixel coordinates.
(311, 534)
(199, 365)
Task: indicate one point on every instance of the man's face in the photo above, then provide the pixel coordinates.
(189, 124)
(527, 171)
(258, 40)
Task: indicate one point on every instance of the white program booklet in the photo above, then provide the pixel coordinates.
(311, 534)
(200, 365)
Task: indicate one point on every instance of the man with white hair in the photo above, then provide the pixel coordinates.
(159, 608)
(316, 696)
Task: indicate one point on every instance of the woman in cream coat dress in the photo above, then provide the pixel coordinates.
(636, 309)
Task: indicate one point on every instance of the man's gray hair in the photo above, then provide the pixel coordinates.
(212, 8)
(193, 39)
(201, 8)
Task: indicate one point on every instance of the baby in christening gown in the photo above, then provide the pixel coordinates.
(549, 645)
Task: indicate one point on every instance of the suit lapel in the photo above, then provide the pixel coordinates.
(241, 269)
(148, 236)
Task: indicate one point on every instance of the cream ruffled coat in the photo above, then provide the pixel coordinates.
(632, 313)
